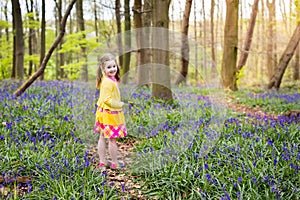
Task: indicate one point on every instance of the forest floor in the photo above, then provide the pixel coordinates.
(127, 183)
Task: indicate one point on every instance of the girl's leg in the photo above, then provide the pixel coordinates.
(113, 150)
(102, 149)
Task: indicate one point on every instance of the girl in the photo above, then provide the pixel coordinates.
(110, 121)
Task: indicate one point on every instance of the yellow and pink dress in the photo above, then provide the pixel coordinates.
(110, 120)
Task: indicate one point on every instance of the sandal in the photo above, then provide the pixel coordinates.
(118, 165)
(101, 167)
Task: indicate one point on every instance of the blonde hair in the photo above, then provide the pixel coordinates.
(102, 61)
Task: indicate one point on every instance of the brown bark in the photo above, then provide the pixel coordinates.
(212, 37)
(127, 42)
(285, 59)
(81, 28)
(296, 67)
(119, 30)
(271, 47)
(43, 36)
(19, 40)
(161, 87)
(185, 49)
(228, 70)
(248, 40)
(138, 24)
(43, 65)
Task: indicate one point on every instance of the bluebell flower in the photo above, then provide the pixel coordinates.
(208, 177)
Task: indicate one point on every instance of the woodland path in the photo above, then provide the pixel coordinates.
(127, 184)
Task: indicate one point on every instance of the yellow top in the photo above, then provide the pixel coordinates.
(109, 95)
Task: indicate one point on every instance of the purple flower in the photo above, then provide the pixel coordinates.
(240, 179)
(208, 177)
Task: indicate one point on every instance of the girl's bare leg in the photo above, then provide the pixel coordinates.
(102, 149)
(113, 150)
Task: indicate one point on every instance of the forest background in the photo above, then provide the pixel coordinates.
(93, 26)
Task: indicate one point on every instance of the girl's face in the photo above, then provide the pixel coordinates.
(110, 68)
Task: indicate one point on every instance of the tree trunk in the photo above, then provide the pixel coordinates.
(127, 42)
(138, 24)
(196, 42)
(296, 67)
(61, 56)
(19, 40)
(185, 49)
(285, 59)
(214, 71)
(271, 47)
(81, 28)
(228, 70)
(119, 30)
(6, 19)
(145, 52)
(43, 36)
(248, 40)
(161, 87)
(30, 37)
(43, 65)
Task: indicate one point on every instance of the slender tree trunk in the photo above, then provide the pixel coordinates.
(31, 35)
(127, 42)
(43, 36)
(81, 28)
(96, 20)
(185, 49)
(196, 42)
(285, 58)
(204, 67)
(43, 65)
(228, 71)
(60, 73)
(263, 41)
(138, 24)
(212, 37)
(248, 40)
(161, 87)
(119, 30)
(271, 48)
(19, 40)
(296, 67)
(6, 19)
(144, 72)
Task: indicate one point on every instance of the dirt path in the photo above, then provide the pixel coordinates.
(121, 179)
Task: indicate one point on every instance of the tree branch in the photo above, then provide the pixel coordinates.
(42, 67)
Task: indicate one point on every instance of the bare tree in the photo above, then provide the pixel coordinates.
(248, 40)
(18, 41)
(43, 36)
(42, 67)
(212, 37)
(81, 28)
(228, 70)
(185, 49)
(285, 59)
(119, 30)
(127, 42)
(271, 47)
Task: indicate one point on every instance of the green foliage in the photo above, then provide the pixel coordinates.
(29, 21)
(6, 58)
(4, 24)
(75, 41)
